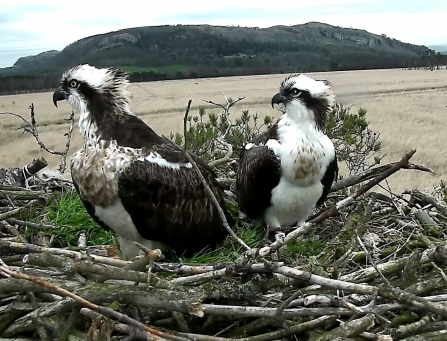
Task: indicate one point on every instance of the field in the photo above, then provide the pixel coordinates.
(407, 107)
(175, 68)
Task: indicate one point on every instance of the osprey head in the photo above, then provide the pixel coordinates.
(85, 85)
(305, 98)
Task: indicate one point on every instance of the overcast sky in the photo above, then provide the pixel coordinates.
(29, 27)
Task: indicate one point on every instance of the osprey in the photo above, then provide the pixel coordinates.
(288, 170)
(130, 179)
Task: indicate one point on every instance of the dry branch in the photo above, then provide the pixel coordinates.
(31, 128)
(103, 310)
(202, 179)
(221, 139)
(372, 173)
(185, 120)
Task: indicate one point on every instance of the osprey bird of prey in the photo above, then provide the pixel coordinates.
(130, 179)
(285, 172)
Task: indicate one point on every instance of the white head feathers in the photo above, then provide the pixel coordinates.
(317, 89)
(305, 100)
(106, 80)
(95, 92)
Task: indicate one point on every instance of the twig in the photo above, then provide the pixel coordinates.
(185, 121)
(349, 329)
(368, 255)
(429, 199)
(31, 127)
(221, 139)
(63, 165)
(71, 321)
(2, 263)
(276, 335)
(33, 248)
(100, 309)
(17, 210)
(22, 195)
(119, 327)
(14, 221)
(215, 202)
(372, 173)
(353, 179)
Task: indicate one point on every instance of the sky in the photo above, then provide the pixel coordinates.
(29, 27)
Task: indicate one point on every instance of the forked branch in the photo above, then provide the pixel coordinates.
(221, 139)
(31, 127)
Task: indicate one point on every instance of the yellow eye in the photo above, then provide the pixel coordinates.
(73, 84)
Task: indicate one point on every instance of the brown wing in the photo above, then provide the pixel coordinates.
(259, 171)
(271, 133)
(172, 206)
(328, 179)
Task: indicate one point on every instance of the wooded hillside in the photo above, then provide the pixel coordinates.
(191, 51)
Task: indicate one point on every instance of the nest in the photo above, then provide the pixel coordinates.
(380, 276)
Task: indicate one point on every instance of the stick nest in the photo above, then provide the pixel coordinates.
(379, 276)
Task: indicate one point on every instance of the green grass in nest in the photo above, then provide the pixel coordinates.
(66, 210)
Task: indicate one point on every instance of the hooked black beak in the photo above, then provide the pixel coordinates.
(278, 98)
(59, 95)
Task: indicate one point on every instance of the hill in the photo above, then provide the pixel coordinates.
(189, 51)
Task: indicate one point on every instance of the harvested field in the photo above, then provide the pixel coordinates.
(407, 107)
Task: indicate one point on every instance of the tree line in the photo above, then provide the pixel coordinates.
(41, 82)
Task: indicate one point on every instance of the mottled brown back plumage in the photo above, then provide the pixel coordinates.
(173, 206)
